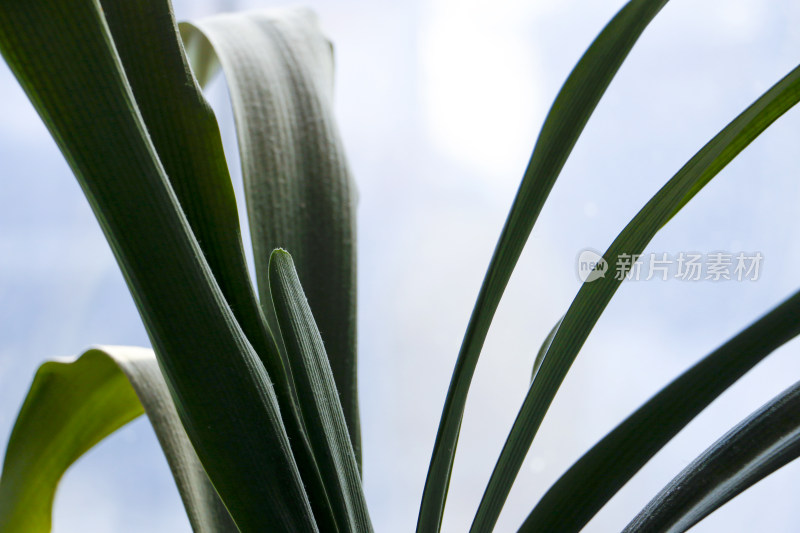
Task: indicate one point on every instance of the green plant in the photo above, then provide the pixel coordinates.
(131, 120)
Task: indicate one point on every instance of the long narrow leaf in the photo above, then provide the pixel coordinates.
(571, 110)
(64, 57)
(186, 137)
(299, 192)
(319, 400)
(73, 405)
(578, 494)
(593, 297)
(259, 127)
(762, 443)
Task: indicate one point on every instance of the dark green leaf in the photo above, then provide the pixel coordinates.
(64, 57)
(319, 401)
(762, 443)
(593, 296)
(186, 136)
(564, 123)
(300, 195)
(577, 495)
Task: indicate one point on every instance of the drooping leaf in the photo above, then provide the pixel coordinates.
(300, 195)
(588, 485)
(762, 443)
(593, 297)
(73, 405)
(64, 57)
(569, 114)
(319, 400)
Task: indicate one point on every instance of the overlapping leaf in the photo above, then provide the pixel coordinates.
(65, 58)
(300, 195)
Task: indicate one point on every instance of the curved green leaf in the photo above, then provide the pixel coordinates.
(185, 133)
(64, 57)
(564, 123)
(593, 297)
(300, 195)
(762, 443)
(186, 137)
(73, 405)
(319, 400)
(578, 494)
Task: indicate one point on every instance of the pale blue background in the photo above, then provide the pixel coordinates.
(439, 104)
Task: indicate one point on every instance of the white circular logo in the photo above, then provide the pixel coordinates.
(591, 266)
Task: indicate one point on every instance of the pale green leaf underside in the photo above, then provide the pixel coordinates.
(73, 405)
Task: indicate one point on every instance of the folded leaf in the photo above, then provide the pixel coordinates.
(73, 405)
(316, 390)
(300, 195)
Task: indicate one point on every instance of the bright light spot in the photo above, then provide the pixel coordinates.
(482, 102)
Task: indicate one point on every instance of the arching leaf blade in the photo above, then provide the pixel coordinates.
(594, 296)
(565, 121)
(762, 443)
(591, 482)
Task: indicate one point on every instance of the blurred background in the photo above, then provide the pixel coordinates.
(439, 104)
